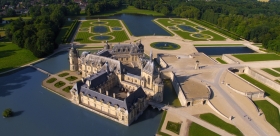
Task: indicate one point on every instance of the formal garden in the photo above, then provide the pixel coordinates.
(189, 30)
(97, 31)
(67, 89)
(257, 57)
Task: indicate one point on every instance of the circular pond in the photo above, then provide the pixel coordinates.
(84, 29)
(201, 36)
(116, 28)
(101, 37)
(165, 46)
(173, 28)
(187, 28)
(200, 28)
(99, 29)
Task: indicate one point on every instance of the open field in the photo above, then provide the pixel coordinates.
(89, 37)
(256, 57)
(277, 69)
(271, 113)
(221, 61)
(197, 130)
(218, 45)
(130, 10)
(161, 123)
(188, 30)
(211, 118)
(63, 31)
(271, 72)
(274, 95)
(12, 56)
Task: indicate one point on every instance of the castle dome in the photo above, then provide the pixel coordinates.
(73, 52)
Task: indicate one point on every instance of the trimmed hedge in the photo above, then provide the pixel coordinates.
(70, 32)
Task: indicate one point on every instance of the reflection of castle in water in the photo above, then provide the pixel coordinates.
(117, 81)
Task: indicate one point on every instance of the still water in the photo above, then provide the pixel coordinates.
(223, 50)
(41, 112)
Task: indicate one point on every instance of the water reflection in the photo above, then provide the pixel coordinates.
(223, 50)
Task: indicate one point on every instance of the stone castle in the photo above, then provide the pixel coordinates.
(117, 82)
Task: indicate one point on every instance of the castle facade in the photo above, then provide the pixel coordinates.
(117, 82)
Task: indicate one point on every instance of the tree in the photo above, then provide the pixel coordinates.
(7, 113)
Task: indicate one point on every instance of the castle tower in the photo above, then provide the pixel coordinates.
(158, 89)
(196, 65)
(73, 59)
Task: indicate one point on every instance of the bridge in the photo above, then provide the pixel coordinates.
(41, 70)
(159, 106)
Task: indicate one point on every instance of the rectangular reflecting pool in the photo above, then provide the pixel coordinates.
(211, 51)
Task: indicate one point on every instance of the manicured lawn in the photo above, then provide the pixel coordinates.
(197, 130)
(271, 113)
(59, 84)
(257, 57)
(274, 95)
(63, 31)
(161, 123)
(63, 74)
(131, 10)
(216, 37)
(218, 45)
(14, 18)
(216, 121)
(165, 22)
(221, 61)
(120, 36)
(174, 127)
(271, 72)
(71, 78)
(11, 56)
(67, 89)
(83, 37)
(51, 80)
(277, 69)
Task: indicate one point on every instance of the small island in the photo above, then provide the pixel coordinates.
(7, 113)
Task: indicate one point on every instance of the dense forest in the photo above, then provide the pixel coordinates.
(38, 34)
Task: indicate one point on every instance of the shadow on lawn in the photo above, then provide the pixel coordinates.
(7, 53)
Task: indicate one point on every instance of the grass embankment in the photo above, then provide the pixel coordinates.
(278, 81)
(215, 28)
(218, 45)
(212, 119)
(161, 123)
(173, 127)
(86, 37)
(271, 72)
(221, 61)
(130, 10)
(277, 69)
(12, 56)
(256, 57)
(197, 130)
(51, 80)
(274, 95)
(271, 113)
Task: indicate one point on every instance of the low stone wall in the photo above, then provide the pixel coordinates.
(227, 59)
(178, 89)
(216, 110)
(261, 78)
(209, 58)
(161, 62)
(239, 92)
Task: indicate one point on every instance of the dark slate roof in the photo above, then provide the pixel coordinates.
(104, 53)
(97, 79)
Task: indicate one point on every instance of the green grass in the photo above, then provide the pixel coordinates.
(274, 95)
(221, 61)
(51, 80)
(131, 10)
(120, 36)
(173, 127)
(71, 78)
(278, 81)
(277, 69)
(11, 56)
(63, 74)
(257, 57)
(59, 84)
(216, 121)
(197, 130)
(271, 72)
(218, 45)
(14, 18)
(161, 123)
(169, 94)
(165, 22)
(63, 31)
(216, 37)
(67, 89)
(88, 23)
(83, 37)
(271, 113)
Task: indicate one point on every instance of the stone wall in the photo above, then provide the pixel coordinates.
(161, 62)
(259, 77)
(227, 59)
(178, 89)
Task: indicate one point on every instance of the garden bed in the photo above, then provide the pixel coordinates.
(59, 84)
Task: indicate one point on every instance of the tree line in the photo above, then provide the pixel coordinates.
(38, 34)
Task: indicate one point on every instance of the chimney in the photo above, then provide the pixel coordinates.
(127, 94)
(99, 89)
(114, 95)
(107, 93)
